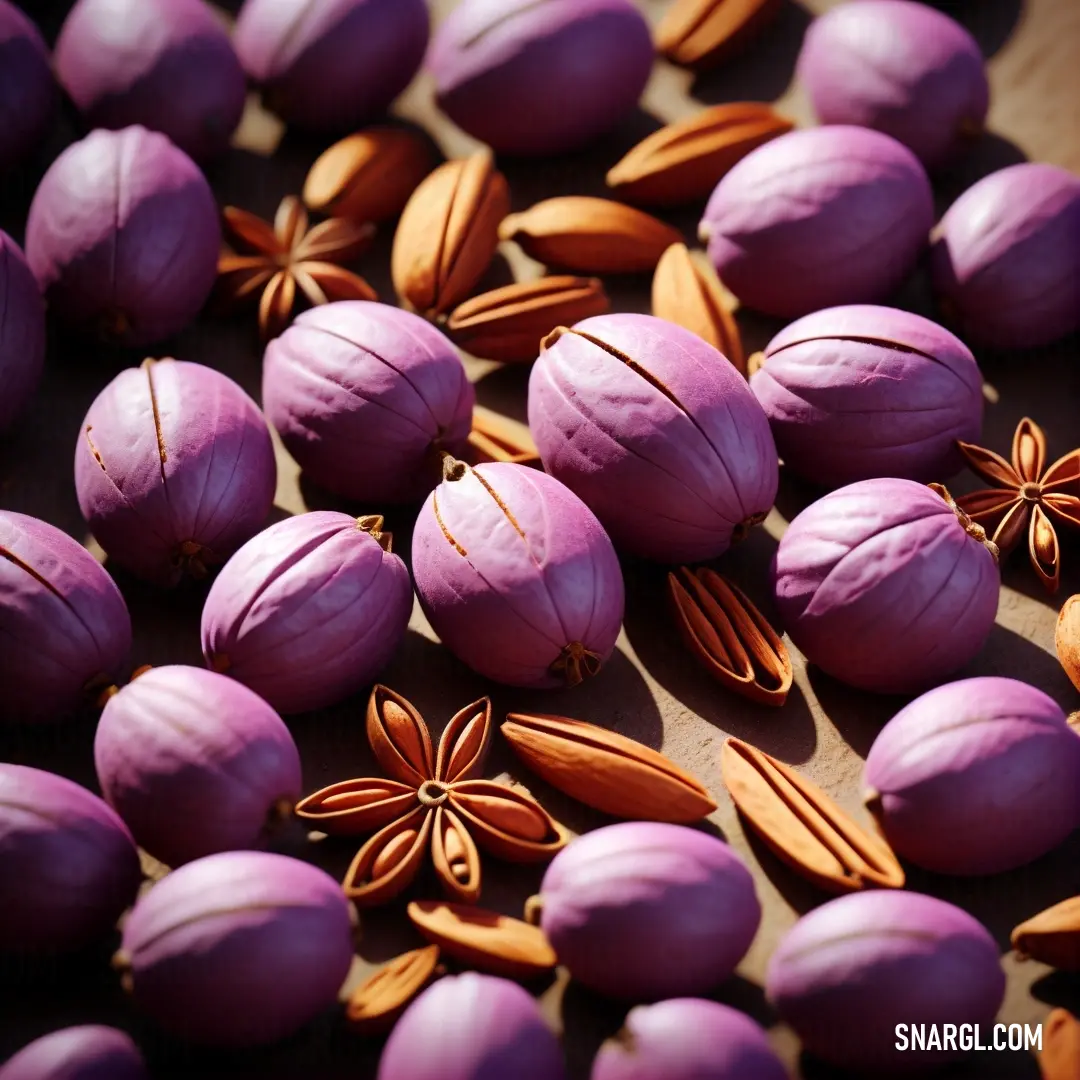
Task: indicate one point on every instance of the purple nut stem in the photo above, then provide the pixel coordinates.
(22, 332)
(89, 1052)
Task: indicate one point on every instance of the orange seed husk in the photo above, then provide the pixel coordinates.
(374, 1006)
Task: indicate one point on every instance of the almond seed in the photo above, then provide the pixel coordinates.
(1060, 1057)
(702, 33)
(498, 438)
(1052, 936)
(375, 1005)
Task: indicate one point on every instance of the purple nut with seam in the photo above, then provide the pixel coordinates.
(27, 91)
(22, 332)
(88, 1052)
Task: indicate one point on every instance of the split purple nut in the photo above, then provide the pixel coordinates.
(858, 392)
(195, 764)
(165, 64)
(364, 396)
(22, 331)
(573, 67)
(1005, 262)
(516, 575)
(88, 1052)
(659, 437)
(123, 236)
(309, 610)
(238, 949)
(819, 217)
(27, 91)
(976, 777)
(174, 469)
(853, 969)
(898, 67)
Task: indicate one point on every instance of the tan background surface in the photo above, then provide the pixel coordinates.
(651, 690)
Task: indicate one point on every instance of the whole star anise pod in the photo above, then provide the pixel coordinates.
(279, 259)
(1026, 495)
(432, 801)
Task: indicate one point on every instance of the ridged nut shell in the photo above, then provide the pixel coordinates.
(88, 1052)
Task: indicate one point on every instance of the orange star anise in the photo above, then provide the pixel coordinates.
(280, 258)
(1026, 495)
(433, 800)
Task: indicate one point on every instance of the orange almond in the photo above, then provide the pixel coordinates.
(701, 33)
(1052, 936)
(1060, 1055)
(498, 438)
(374, 1006)
(1067, 639)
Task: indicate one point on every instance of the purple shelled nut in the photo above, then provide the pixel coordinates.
(364, 395)
(309, 611)
(68, 865)
(22, 330)
(27, 90)
(819, 217)
(238, 949)
(854, 969)
(166, 64)
(975, 777)
(195, 764)
(335, 65)
(516, 575)
(472, 1027)
(123, 236)
(65, 626)
(174, 469)
(89, 1052)
(643, 910)
(687, 1039)
(861, 391)
(659, 436)
(886, 586)
(1005, 262)
(573, 67)
(898, 67)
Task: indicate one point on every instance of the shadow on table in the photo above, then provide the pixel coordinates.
(990, 25)
(986, 154)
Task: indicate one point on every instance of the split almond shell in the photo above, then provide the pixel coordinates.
(498, 438)
(374, 1006)
(1060, 1056)
(702, 33)
(1052, 936)
(1067, 639)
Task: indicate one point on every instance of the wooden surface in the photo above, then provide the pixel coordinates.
(650, 690)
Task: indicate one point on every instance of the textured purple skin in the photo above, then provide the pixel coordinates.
(507, 595)
(898, 67)
(333, 65)
(22, 331)
(861, 391)
(27, 90)
(194, 763)
(165, 64)
(670, 482)
(68, 865)
(362, 395)
(472, 1027)
(819, 217)
(1005, 262)
(854, 968)
(90, 1052)
(879, 585)
(976, 777)
(575, 68)
(123, 236)
(688, 1039)
(214, 487)
(64, 624)
(239, 949)
(643, 911)
(308, 612)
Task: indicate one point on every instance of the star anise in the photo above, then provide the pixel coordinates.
(281, 258)
(1026, 495)
(432, 801)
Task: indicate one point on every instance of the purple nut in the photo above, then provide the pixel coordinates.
(309, 611)
(573, 67)
(174, 469)
(22, 331)
(165, 64)
(819, 217)
(516, 575)
(853, 969)
(656, 433)
(89, 1052)
(238, 949)
(65, 626)
(472, 1027)
(884, 586)
(644, 911)
(123, 236)
(1005, 262)
(858, 392)
(68, 865)
(27, 90)
(195, 764)
(335, 65)
(898, 67)
(364, 396)
(976, 777)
